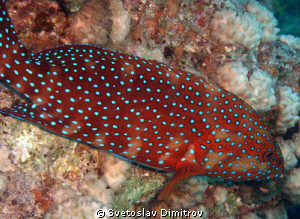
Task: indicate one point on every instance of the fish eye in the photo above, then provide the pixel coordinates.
(267, 155)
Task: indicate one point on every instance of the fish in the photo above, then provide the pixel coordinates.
(141, 110)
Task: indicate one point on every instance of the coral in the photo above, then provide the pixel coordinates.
(267, 20)
(229, 28)
(72, 5)
(137, 189)
(154, 54)
(257, 91)
(5, 162)
(189, 193)
(250, 215)
(296, 140)
(92, 192)
(291, 41)
(92, 195)
(90, 24)
(291, 188)
(18, 201)
(77, 207)
(277, 212)
(64, 193)
(3, 183)
(32, 149)
(96, 188)
(288, 149)
(233, 77)
(201, 208)
(220, 194)
(121, 21)
(248, 28)
(289, 106)
(39, 23)
(116, 172)
(260, 92)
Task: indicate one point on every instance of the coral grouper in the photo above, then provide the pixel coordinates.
(142, 110)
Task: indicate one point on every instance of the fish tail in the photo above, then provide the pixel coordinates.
(12, 52)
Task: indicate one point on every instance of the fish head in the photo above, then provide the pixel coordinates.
(271, 160)
(260, 155)
(246, 151)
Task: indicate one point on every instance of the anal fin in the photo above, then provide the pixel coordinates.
(183, 170)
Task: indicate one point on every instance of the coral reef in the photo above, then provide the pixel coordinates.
(92, 193)
(267, 20)
(77, 207)
(291, 41)
(248, 29)
(220, 194)
(260, 92)
(289, 106)
(72, 5)
(116, 172)
(40, 24)
(257, 90)
(144, 52)
(90, 24)
(5, 163)
(121, 21)
(233, 77)
(229, 28)
(189, 194)
(3, 183)
(288, 149)
(292, 187)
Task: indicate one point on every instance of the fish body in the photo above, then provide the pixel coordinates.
(139, 109)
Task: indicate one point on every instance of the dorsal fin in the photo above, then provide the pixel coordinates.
(12, 53)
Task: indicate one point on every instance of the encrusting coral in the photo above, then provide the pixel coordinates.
(229, 28)
(233, 77)
(260, 93)
(3, 183)
(220, 194)
(190, 193)
(40, 23)
(90, 24)
(291, 188)
(267, 20)
(121, 21)
(92, 193)
(97, 20)
(116, 172)
(289, 106)
(97, 188)
(247, 29)
(257, 91)
(288, 149)
(291, 41)
(77, 207)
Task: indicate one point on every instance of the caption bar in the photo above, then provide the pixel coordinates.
(101, 213)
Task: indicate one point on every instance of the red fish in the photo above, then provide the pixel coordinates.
(141, 110)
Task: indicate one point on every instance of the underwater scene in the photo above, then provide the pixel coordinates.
(149, 109)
